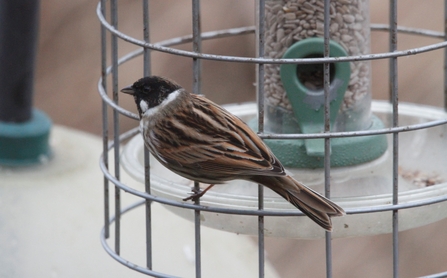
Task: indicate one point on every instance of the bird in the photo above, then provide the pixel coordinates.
(201, 141)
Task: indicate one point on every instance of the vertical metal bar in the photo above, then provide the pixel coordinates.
(197, 83)
(114, 50)
(445, 55)
(147, 177)
(146, 34)
(327, 128)
(105, 122)
(261, 236)
(197, 47)
(395, 122)
(197, 235)
(260, 74)
(260, 100)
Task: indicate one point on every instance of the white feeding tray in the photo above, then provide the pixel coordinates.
(422, 177)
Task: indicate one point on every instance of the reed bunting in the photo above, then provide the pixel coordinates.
(201, 141)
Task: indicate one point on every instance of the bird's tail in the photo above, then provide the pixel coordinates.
(317, 207)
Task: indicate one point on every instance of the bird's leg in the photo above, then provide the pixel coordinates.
(196, 194)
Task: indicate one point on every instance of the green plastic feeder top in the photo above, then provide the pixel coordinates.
(303, 84)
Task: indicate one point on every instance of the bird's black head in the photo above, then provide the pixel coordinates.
(150, 91)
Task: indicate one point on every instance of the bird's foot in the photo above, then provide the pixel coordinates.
(197, 193)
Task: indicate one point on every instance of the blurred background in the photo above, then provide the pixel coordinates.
(68, 69)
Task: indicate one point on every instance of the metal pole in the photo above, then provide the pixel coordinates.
(147, 176)
(19, 24)
(260, 99)
(327, 129)
(445, 55)
(105, 123)
(197, 78)
(197, 47)
(395, 122)
(114, 19)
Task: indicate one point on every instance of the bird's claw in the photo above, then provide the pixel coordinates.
(195, 195)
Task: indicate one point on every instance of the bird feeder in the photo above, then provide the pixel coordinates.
(294, 93)
(387, 159)
(363, 169)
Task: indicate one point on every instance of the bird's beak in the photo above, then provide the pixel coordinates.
(128, 90)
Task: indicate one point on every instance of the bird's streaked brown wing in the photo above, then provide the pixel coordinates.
(214, 140)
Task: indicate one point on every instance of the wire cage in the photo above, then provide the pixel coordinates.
(263, 61)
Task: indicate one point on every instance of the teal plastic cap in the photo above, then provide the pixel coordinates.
(303, 84)
(305, 90)
(25, 143)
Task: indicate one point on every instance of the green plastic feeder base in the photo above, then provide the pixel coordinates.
(25, 143)
(346, 151)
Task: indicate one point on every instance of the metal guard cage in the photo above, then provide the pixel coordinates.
(260, 61)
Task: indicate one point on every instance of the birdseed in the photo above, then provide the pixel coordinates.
(290, 21)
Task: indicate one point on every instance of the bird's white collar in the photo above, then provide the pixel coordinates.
(148, 112)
